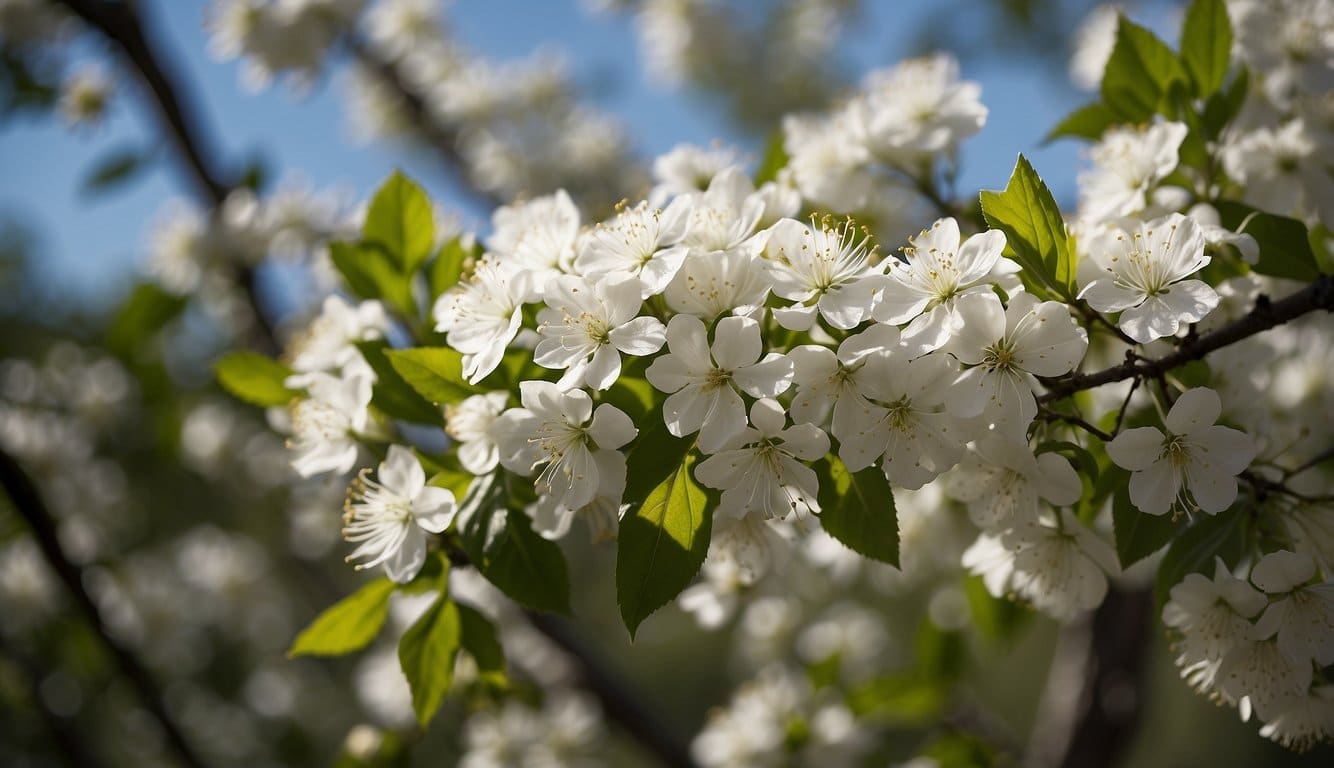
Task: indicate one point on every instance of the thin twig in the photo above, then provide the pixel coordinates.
(1046, 414)
(1125, 405)
(1317, 460)
(1319, 295)
(122, 25)
(26, 499)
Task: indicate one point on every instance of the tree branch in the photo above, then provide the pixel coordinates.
(28, 502)
(122, 25)
(1319, 295)
(442, 138)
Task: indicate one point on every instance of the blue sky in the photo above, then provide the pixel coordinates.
(90, 247)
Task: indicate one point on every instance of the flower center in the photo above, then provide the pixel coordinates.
(999, 356)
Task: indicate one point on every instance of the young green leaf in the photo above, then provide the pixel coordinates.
(1285, 247)
(427, 653)
(117, 168)
(371, 274)
(1034, 229)
(348, 625)
(391, 394)
(147, 310)
(479, 640)
(435, 372)
(857, 508)
(1088, 122)
(1139, 73)
(512, 556)
(661, 545)
(656, 454)
(399, 219)
(254, 378)
(1206, 44)
(447, 267)
(1137, 535)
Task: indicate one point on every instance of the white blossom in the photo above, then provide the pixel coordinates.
(468, 424)
(1001, 482)
(1142, 274)
(561, 430)
(1128, 162)
(762, 470)
(919, 107)
(389, 517)
(482, 315)
(704, 381)
(641, 240)
(1194, 465)
(1060, 566)
(329, 342)
(588, 323)
(326, 425)
(1300, 615)
(1213, 616)
(821, 269)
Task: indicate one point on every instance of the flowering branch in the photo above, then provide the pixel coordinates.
(1266, 314)
(27, 501)
(121, 24)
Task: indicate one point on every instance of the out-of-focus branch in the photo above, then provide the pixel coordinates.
(441, 138)
(27, 501)
(123, 25)
(1266, 314)
(1092, 705)
(64, 732)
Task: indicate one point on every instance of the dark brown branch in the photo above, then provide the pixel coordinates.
(1319, 295)
(440, 137)
(619, 701)
(1109, 658)
(28, 502)
(123, 25)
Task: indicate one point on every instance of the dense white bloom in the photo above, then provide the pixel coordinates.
(923, 290)
(1007, 349)
(1259, 677)
(1128, 162)
(643, 241)
(482, 316)
(829, 160)
(827, 381)
(1195, 464)
(712, 283)
(587, 323)
(1060, 566)
(566, 730)
(1287, 43)
(329, 342)
(1142, 274)
(1002, 481)
(1300, 722)
(278, 37)
(820, 268)
(396, 27)
(389, 517)
(1301, 614)
(554, 428)
(85, 94)
(1093, 46)
(326, 424)
(538, 236)
(919, 107)
(764, 472)
(553, 519)
(1216, 235)
(1281, 169)
(1213, 616)
(703, 380)
(468, 423)
(725, 215)
(904, 423)
(687, 169)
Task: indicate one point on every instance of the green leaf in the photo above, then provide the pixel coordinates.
(447, 267)
(427, 653)
(909, 700)
(371, 274)
(1206, 45)
(254, 378)
(1223, 535)
(348, 625)
(661, 545)
(1139, 73)
(1285, 247)
(1034, 229)
(857, 508)
(391, 394)
(1088, 122)
(775, 158)
(480, 641)
(435, 372)
(632, 394)
(512, 556)
(655, 456)
(399, 219)
(116, 168)
(1137, 535)
(147, 310)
